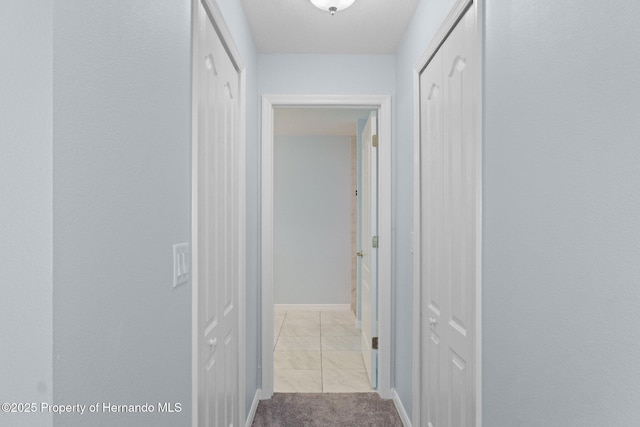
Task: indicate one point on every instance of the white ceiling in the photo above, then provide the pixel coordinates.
(317, 121)
(297, 26)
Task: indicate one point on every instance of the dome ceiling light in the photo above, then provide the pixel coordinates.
(332, 6)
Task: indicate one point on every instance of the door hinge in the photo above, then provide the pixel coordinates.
(374, 140)
(374, 343)
(374, 242)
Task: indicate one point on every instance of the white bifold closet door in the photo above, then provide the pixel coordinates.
(448, 190)
(219, 230)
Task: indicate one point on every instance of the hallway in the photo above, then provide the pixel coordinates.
(97, 166)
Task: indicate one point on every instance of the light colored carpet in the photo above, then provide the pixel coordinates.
(326, 409)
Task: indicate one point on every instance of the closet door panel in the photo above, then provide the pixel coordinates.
(448, 217)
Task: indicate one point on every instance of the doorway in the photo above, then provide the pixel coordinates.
(380, 104)
(317, 191)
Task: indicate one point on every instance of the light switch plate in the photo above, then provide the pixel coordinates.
(181, 264)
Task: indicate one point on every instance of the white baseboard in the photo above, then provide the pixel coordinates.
(311, 307)
(406, 422)
(254, 406)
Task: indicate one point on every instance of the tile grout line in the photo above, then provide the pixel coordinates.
(321, 359)
(279, 331)
(274, 349)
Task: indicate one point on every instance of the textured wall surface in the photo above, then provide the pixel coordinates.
(327, 74)
(25, 208)
(561, 214)
(122, 198)
(312, 220)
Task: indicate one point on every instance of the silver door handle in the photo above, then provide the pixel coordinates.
(360, 253)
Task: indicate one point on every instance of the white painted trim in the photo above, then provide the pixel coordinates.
(416, 367)
(194, 214)
(406, 422)
(195, 46)
(384, 249)
(242, 274)
(312, 307)
(447, 26)
(478, 102)
(227, 40)
(266, 252)
(254, 407)
(383, 104)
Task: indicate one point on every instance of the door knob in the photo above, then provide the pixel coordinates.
(360, 253)
(432, 321)
(213, 342)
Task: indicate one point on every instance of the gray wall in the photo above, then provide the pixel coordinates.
(25, 208)
(425, 23)
(122, 191)
(239, 28)
(312, 220)
(561, 214)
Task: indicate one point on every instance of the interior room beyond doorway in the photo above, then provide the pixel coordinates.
(381, 104)
(318, 352)
(316, 338)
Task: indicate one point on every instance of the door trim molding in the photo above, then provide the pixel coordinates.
(383, 104)
(253, 409)
(227, 41)
(457, 11)
(406, 422)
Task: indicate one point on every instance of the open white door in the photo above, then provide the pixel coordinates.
(369, 252)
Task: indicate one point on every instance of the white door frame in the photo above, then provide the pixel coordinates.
(449, 23)
(225, 36)
(382, 103)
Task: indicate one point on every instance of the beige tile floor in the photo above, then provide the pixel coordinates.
(318, 352)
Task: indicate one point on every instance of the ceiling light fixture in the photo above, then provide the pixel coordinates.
(332, 5)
